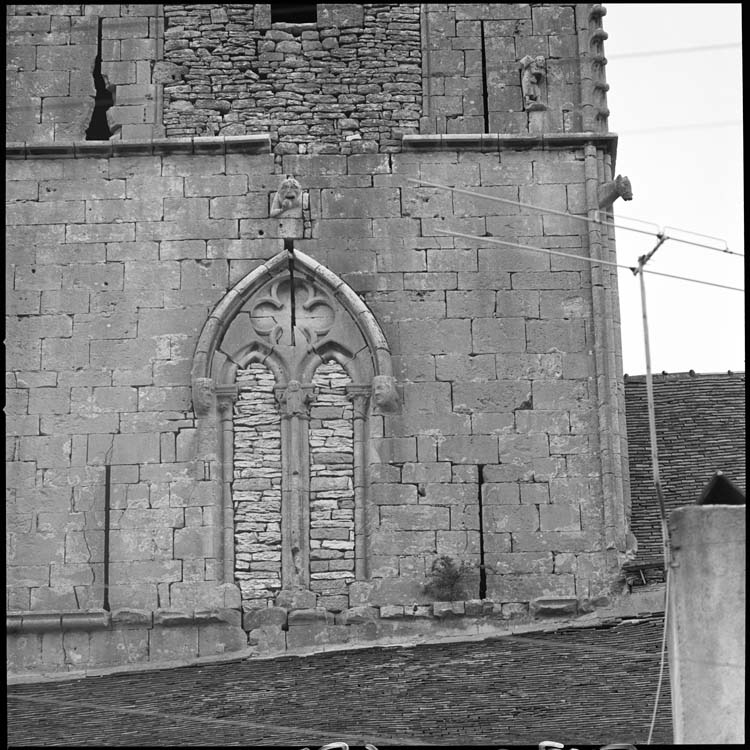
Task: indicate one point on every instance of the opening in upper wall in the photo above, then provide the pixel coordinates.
(294, 13)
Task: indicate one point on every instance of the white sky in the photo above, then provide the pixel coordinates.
(678, 117)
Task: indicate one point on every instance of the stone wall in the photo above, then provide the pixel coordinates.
(349, 83)
(109, 287)
(51, 55)
(473, 68)
(505, 449)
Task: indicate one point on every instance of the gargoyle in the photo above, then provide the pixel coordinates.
(610, 191)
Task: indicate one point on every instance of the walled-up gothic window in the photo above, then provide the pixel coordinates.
(282, 378)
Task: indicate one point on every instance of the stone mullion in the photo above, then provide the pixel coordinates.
(226, 396)
(359, 396)
(295, 487)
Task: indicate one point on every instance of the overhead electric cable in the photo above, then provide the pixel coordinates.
(675, 50)
(568, 215)
(634, 269)
(672, 128)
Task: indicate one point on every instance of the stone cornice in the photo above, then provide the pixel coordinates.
(501, 141)
(198, 145)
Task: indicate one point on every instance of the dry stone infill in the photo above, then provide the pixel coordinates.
(331, 89)
(256, 489)
(331, 487)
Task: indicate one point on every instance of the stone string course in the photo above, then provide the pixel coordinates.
(349, 84)
(256, 489)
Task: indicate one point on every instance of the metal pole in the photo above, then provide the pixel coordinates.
(651, 411)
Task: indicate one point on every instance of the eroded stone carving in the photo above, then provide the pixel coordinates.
(288, 199)
(295, 398)
(385, 398)
(532, 73)
(610, 191)
(203, 395)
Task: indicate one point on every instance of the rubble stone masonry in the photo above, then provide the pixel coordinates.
(506, 448)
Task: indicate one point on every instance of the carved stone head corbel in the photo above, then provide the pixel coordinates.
(385, 396)
(287, 202)
(203, 396)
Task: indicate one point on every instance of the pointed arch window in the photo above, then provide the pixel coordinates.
(296, 524)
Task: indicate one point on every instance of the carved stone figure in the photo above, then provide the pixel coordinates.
(610, 191)
(295, 399)
(203, 395)
(288, 199)
(385, 398)
(532, 73)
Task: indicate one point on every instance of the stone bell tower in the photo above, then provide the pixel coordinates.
(293, 321)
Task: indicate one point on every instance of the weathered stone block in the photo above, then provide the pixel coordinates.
(563, 517)
(357, 615)
(419, 517)
(393, 494)
(560, 395)
(557, 607)
(498, 335)
(290, 599)
(463, 544)
(220, 639)
(135, 449)
(475, 449)
(390, 611)
(24, 652)
(265, 617)
(306, 617)
(173, 643)
(132, 618)
(511, 518)
(267, 640)
(524, 587)
(489, 396)
(389, 542)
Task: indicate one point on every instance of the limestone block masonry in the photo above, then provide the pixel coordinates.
(299, 415)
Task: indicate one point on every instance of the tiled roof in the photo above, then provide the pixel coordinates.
(590, 685)
(700, 429)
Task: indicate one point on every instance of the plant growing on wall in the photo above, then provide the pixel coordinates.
(447, 579)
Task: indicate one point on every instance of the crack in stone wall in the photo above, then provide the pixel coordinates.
(331, 488)
(256, 489)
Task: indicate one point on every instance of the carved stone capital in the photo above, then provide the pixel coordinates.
(358, 395)
(226, 395)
